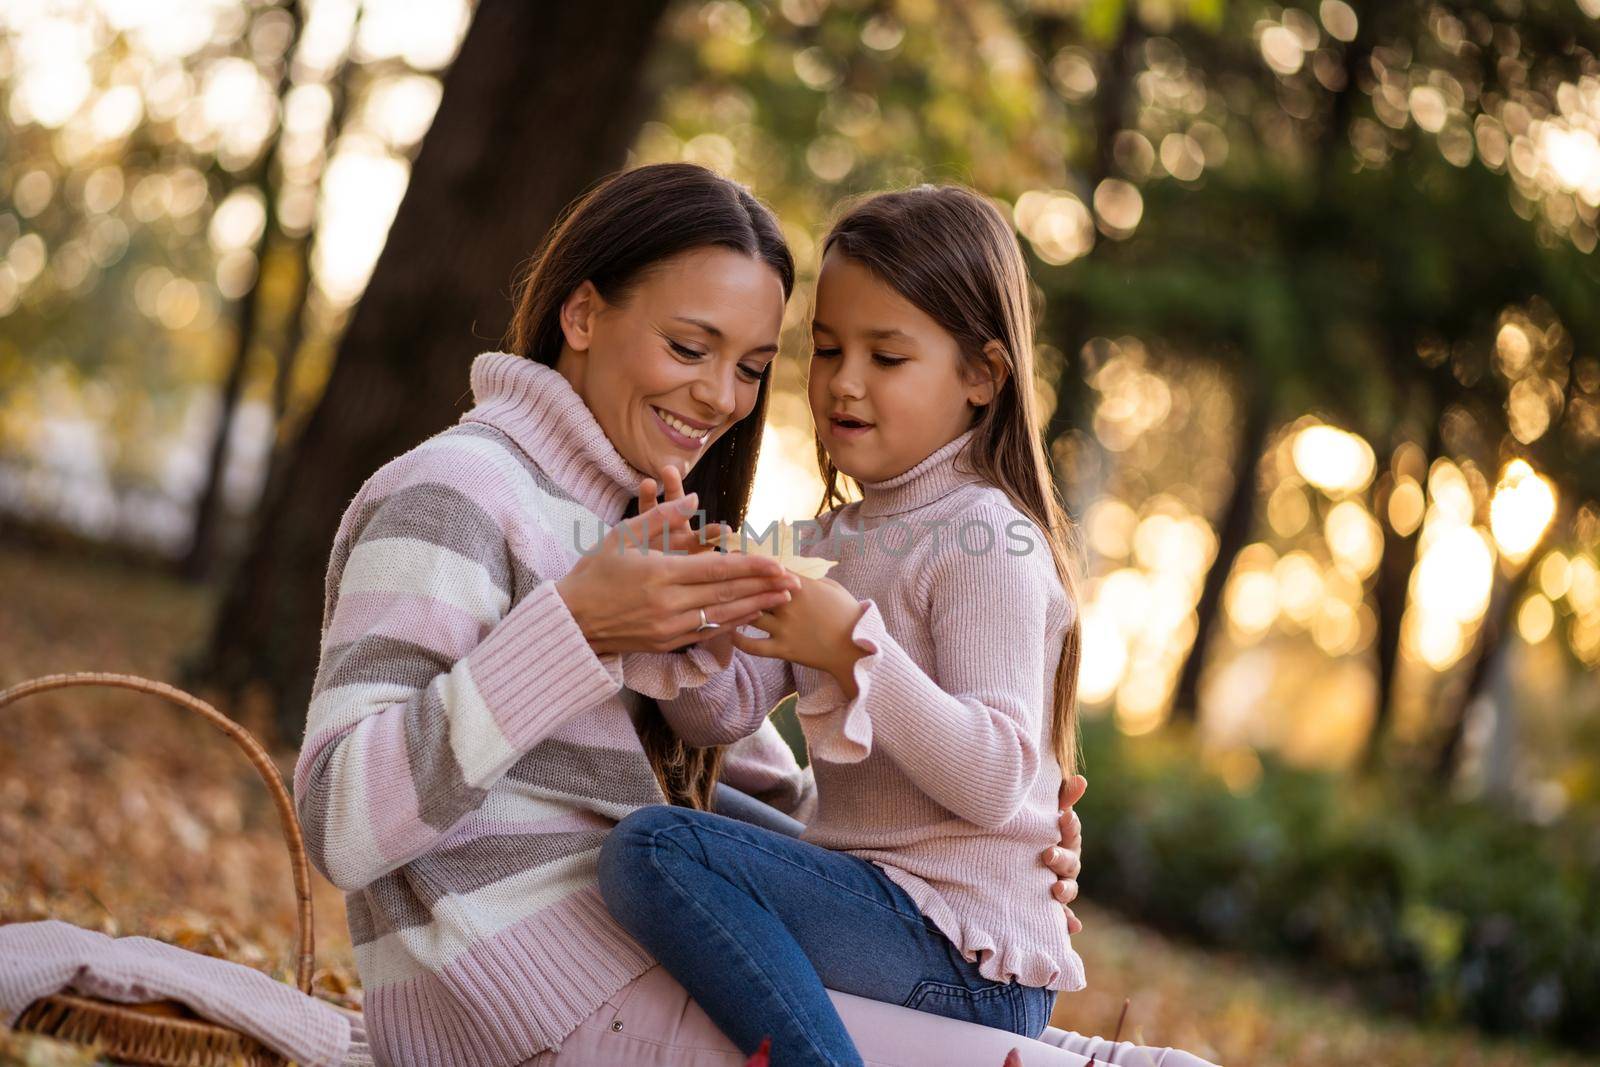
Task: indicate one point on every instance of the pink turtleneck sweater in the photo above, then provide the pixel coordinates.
(466, 751)
(942, 770)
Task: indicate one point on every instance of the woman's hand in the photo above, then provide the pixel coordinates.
(812, 629)
(681, 536)
(705, 539)
(1064, 859)
(628, 598)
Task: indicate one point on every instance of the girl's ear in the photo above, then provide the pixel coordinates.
(578, 313)
(985, 384)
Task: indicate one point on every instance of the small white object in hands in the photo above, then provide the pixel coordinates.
(781, 547)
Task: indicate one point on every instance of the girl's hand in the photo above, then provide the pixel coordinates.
(631, 599)
(813, 629)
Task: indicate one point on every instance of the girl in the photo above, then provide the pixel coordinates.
(936, 675)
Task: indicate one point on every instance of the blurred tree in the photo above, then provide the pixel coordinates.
(259, 177)
(265, 320)
(503, 156)
(1319, 198)
(1337, 208)
(1346, 267)
(297, 310)
(140, 150)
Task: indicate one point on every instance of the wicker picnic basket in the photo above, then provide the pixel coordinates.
(167, 1033)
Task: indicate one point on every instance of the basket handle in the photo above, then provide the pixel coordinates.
(253, 751)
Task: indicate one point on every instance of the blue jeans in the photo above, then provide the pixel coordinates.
(755, 924)
(746, 808)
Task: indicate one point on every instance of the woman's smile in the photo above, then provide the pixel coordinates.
(681, 432)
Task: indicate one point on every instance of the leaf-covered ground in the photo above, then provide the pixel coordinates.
(121, 813)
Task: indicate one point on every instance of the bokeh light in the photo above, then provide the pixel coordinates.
(1333, 460)
(1523, 505)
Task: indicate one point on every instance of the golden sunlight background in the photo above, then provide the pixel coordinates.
(138, 215)
(1318, 344)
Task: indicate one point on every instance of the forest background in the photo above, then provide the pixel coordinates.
(1320, 337)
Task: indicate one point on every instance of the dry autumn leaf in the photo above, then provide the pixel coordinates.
(780, 542)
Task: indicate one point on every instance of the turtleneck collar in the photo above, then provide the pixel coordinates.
(537, 408)
(933, 478)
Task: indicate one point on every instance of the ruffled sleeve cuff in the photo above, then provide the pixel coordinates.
(837, 729)
(615, 666)
(663, 675)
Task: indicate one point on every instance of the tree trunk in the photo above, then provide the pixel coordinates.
(208, 516)
(542, 100)
(1233, 533)
(294, 335)
(1390, 595)
(1500, 755)
(294, 330)
(1497, 620)
(1074, 398)
(1392, 591)
(1493, 630)
(208, 507)
(1067, 320)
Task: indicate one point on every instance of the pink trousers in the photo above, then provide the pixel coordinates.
(651, 1022)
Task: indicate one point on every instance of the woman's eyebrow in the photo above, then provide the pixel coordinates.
(714, 332)
(701, 324)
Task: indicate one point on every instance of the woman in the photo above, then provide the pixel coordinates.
(475, 729)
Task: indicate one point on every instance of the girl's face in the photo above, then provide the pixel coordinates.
(887, 386)
(674, 366)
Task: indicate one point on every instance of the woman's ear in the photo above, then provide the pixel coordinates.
(578, 313)
(984, 384)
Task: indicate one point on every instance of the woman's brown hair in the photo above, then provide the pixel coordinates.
(612, 236)
(950, 253)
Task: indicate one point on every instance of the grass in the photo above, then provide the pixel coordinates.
(130, 816)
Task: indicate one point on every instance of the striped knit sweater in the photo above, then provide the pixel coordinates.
(941, 771)
(466, 752)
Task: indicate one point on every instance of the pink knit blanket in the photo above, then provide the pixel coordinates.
(40, 958)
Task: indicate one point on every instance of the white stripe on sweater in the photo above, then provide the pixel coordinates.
(411, 565)
(482, 751)
(350, 843)
(555, 514)
(460, 921)
(514, 802)
(346, 705)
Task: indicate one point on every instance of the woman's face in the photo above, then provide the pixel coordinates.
(678, 362)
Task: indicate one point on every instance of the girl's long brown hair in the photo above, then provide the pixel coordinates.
(612, 236)
(953, 255)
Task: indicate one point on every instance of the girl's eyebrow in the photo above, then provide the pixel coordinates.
(880, 333)
(714, 332)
